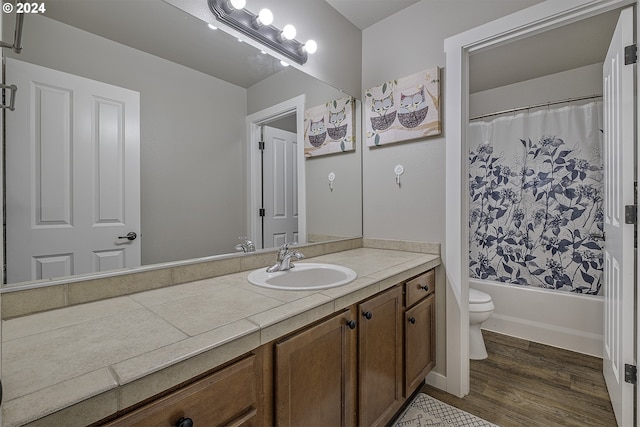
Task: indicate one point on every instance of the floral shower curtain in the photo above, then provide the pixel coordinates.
(536, 188)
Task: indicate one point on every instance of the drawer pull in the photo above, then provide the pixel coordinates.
(425, 288)
(351, 324)
(367, 314)
(412, 320)
(184, 422)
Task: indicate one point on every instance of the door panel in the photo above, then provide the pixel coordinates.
(619, 246)
(73, 168)
(280, 187)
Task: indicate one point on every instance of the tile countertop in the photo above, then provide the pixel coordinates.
(80, 364)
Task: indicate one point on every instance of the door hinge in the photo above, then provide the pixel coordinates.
(260, 145)
(630, 54)
(631, 214)
(261, 212)
(630, 374)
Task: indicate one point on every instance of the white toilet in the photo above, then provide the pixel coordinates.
(480, 309)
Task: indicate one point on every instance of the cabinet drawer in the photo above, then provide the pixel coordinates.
(224, 398)
(420, 287)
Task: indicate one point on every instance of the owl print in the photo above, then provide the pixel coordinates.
(337, 130)
(317, 132)
(413, 108)
(382, 107)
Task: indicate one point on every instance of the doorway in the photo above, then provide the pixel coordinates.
(535, 20)
(276, 215)
(279, 212)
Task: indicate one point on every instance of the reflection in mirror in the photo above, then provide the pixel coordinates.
(102, 74)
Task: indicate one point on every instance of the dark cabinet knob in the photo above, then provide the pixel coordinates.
(351, 324)
(425, 288)
(412, 320)
(367, 314)
(184, 422)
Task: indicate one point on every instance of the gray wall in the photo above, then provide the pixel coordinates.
(338, 59)
(402, 44)
(192, 127)
(329, 213)
(579, 82)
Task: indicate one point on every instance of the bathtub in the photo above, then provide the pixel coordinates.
(560, 319)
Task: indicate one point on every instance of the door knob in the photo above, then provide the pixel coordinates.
(130, 235)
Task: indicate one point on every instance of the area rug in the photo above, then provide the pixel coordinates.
(427, 411)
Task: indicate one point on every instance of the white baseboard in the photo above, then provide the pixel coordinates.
(436, 380)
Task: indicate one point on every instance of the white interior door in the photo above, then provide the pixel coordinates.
(73, 175)
(619, 270)
(280, 187)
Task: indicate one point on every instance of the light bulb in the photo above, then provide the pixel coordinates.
(284, 64)
(311, 46)
(265, 16)
(213, 27)
(289, 32)
(238, 4)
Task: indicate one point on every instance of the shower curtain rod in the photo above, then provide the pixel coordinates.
(546, 104)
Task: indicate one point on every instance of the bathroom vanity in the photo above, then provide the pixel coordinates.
(226, 352)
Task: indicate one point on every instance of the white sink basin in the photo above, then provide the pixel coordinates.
(304, 277)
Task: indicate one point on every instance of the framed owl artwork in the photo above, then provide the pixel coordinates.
(329, 128)
(403, 109)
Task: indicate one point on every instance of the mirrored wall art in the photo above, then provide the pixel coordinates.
(329, 128)
(403, 109)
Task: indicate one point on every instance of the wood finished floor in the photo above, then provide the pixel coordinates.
(524, 383)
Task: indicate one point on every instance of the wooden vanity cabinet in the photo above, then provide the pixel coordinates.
(420, 332)
(227, 397)
(380, 358)
(314, 375)
(356, 367)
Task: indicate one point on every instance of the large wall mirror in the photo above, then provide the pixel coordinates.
(194, 88)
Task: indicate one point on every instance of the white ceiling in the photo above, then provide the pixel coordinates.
(363, 13)
(565, 48)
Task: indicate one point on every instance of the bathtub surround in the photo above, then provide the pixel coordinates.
(536, 193)
(560, 319)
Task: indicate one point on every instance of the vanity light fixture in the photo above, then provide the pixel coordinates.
(259, 28)
(211, 26)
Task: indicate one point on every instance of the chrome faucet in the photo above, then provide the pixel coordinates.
(284, 259)
(246, 245)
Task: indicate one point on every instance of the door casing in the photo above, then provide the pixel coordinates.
(254, 181)
(527, 22)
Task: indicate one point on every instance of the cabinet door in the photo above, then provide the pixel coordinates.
(224, 398)
(313, 376)
(420, 339)
(380, 357)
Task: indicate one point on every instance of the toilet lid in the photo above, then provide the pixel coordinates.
(477, 297)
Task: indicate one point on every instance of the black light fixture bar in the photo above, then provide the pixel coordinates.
(243, 21)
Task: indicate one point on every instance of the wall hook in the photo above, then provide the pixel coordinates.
(331, 177)
(398, 170)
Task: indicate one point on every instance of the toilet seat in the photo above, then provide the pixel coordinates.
(478, 297)
(479, 301)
